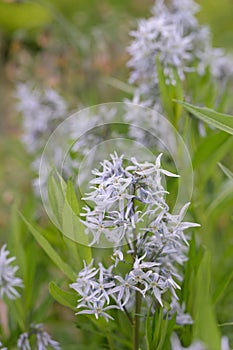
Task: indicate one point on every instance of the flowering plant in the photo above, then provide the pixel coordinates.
(155, 245)
(132, 272)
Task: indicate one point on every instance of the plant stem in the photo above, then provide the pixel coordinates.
(4, 318)
(136, 321)
(109, 338)
(128, 315)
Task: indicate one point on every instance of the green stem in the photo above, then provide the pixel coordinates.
(136, 321)
(109, 338)
(128, 315)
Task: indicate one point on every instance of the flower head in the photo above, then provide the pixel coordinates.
(173, 38)
(42, 110)
(43, 339)
(1, 348)
(151, 249)
(176, 345)
(117, 190)
(8, 280)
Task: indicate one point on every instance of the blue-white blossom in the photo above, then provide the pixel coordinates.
(225, 343)
(1, 348)
(122, 292)
(42, 111)
(129, 197)
(176, 345)
(96, 307)
(196, 345)
(8, 281)
(43, 340)
(88, 130)
(182, 317)
(173, 36)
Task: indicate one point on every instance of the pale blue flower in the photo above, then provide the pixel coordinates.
(8, 281)
(98, 309)
(43, 339)
(176, 345)
(42, 111)
(156, 242)
(123, 291)
(2, 347)
(173, 36)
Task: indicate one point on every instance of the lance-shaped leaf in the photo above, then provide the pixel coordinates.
(218, 120)
(49, 250)
(205, 326)
(63, 297)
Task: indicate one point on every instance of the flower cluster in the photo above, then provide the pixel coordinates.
(174, 37)
(93, 285)
(1, 348)
(130, 211)
(116, 192)
(8, 280)
(90, 128)
(42, 111)
(43, 339)
(176, 345)
(8, 284)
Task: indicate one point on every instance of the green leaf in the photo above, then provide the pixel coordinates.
(15, 240)
(166, 331)
(73, 228)
(24, 15)
(75, 231)
(205, 326)
(17, 311)
(120, 85)
(177, 94)
(218, 120)
(210, 151)
(30, 275)
(63, 297)
(43, 309)
(72, 198)
(157, 324)
(163, 334)
(226, 171)
(159, 330)
(207, 148)
(46, 246)
(226, 324)
(188, 288)
(225, 193)
(219, 293)
(164, 90)
(65, 207)
(56, 195)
